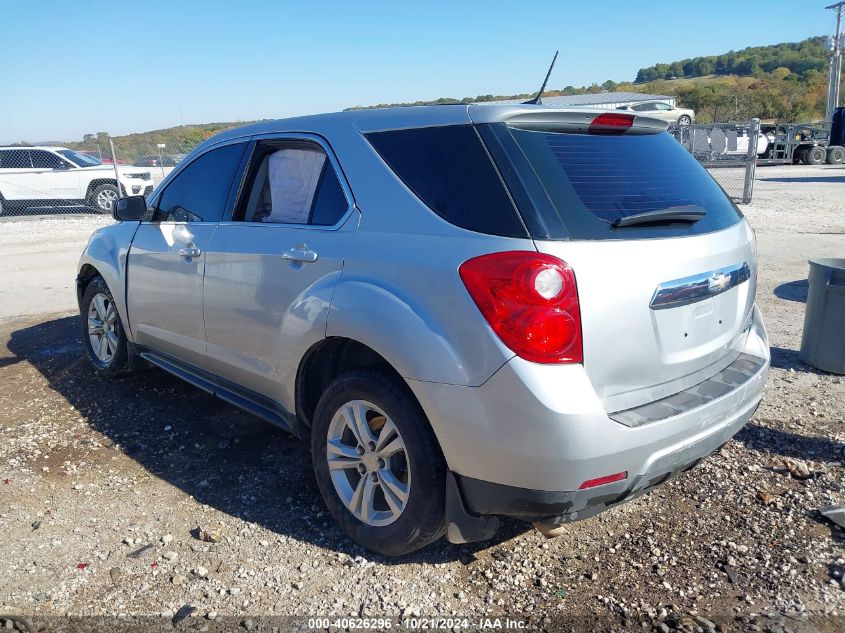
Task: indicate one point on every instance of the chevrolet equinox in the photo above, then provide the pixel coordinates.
(470, 311)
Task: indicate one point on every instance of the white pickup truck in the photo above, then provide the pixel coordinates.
(57, 176)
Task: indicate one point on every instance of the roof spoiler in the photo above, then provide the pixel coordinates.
(584, 122)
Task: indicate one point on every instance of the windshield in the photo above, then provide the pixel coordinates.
(82, 160)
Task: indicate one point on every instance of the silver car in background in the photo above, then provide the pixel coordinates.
(470, 311)
(663, 111)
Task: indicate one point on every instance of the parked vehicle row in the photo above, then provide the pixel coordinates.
(470, 311)
(58, 176)
(105, 160)
(156, 160)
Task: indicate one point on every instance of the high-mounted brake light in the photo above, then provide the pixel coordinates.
(611, 123)
(531, 302)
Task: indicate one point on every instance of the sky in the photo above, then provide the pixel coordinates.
(69, 68)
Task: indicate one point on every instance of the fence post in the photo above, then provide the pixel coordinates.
(114, 164)
(751, 162)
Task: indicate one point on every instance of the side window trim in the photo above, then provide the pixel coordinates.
(326, 166)
(239, 183)
(152, 203)
(245, 185)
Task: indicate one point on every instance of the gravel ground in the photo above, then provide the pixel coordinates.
(107, 489)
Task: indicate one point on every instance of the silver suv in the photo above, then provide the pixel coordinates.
(471, 311)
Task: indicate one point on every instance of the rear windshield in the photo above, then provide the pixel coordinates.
(449, 169)
(593, 179)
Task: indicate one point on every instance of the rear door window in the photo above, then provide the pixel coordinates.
(594, 179)
(47, 160)
(449, 169)
(293, 182)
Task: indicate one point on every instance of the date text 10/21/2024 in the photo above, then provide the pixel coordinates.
(420, 623)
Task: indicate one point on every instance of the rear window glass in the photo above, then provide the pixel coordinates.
(449, 170)
(594, 179)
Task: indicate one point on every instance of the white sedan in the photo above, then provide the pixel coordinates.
(662, 110)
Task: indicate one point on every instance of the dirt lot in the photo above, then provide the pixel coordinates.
(92, 472)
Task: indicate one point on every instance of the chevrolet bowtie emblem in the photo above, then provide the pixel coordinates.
(718, 282)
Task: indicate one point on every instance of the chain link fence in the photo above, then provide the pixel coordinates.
(727, 150)
(89, 175)
(86, 176)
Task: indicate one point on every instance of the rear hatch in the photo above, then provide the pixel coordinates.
(664, 262)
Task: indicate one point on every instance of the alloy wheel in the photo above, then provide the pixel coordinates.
(368, 463)
(102, 327)
(106, 198)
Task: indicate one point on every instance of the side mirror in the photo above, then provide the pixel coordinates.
(130, 208)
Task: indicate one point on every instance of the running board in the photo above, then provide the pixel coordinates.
(235, 395)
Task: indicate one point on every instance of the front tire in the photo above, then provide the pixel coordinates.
(377, 464)
(103, 336)
(103, 197)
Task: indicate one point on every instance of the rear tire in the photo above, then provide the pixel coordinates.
(103, 198)
(365, 471)
(835, 155)
(684, 120)
(815, 155)
(103, 336)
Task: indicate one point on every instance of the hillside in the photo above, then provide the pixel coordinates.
(799, 58)
(130, 147)
(786, 82)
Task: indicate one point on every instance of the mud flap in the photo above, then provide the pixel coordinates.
(461, 526)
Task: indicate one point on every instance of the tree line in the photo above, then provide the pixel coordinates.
(802, 59)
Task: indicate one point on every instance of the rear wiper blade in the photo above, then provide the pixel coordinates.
(660, 216)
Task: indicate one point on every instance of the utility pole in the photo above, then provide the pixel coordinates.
(835, 62)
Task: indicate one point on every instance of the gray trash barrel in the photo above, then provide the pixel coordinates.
(823, 340)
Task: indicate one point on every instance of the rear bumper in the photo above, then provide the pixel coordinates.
(522, 443)
(483, 497)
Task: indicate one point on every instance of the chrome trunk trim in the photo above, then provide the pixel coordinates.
(686, 290)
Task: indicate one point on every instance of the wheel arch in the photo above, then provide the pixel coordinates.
(96, 183)
(86, 273)
(106, 255)
(329, 358)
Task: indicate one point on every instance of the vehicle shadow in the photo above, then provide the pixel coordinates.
(787, 444)
(9, 211)
(221, 456)
(799, 179)
(793, 290)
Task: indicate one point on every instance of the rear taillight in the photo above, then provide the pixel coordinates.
(611, 123)
(531, 302)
